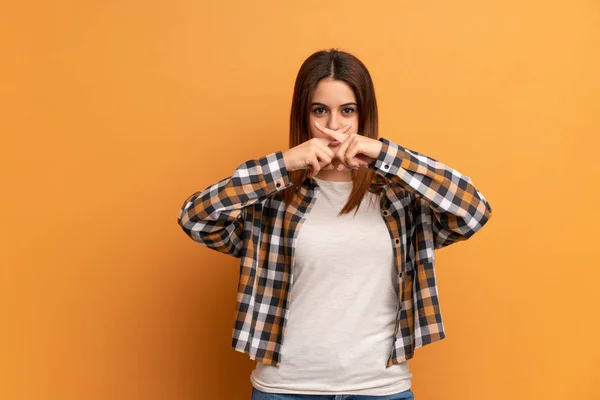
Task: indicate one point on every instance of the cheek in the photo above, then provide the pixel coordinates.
(314, 132)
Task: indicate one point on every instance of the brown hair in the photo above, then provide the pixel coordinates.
(345, 67)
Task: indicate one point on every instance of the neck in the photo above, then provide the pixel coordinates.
(334, 176)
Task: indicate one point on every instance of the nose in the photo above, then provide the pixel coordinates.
(335, 122)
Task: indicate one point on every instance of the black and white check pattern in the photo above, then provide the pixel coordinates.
(426, 205)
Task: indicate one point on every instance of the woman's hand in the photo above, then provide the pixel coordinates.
(313, 154)
(355, 150)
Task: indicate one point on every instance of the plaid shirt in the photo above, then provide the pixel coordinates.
(425, 204)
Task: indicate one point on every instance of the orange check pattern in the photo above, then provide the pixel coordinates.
(425, 204)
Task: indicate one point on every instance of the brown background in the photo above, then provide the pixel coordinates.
(113, 112)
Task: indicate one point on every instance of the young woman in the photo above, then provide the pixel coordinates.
(332, 304)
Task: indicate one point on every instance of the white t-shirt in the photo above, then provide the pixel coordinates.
(344, 300)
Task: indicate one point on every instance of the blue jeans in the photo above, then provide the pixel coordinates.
(258, 395)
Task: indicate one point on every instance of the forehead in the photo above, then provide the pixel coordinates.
(333, 92)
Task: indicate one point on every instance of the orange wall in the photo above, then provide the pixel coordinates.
(113, 112)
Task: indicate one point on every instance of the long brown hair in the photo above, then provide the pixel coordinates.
(345, 67)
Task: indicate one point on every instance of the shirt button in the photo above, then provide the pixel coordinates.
(386, 212)
(386, 166)
(397, 240)
(278, 184)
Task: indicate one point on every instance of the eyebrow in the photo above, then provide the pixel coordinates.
(325, 105)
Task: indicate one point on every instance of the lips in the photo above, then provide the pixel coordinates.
(335, 143)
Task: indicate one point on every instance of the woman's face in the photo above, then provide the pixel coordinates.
(333, 105)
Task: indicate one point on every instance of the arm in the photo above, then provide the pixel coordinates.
(459, 209)
(215, 216)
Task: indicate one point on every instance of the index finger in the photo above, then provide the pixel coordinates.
(331, 133)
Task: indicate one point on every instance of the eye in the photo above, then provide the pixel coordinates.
(316, 110)
(351, 110)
